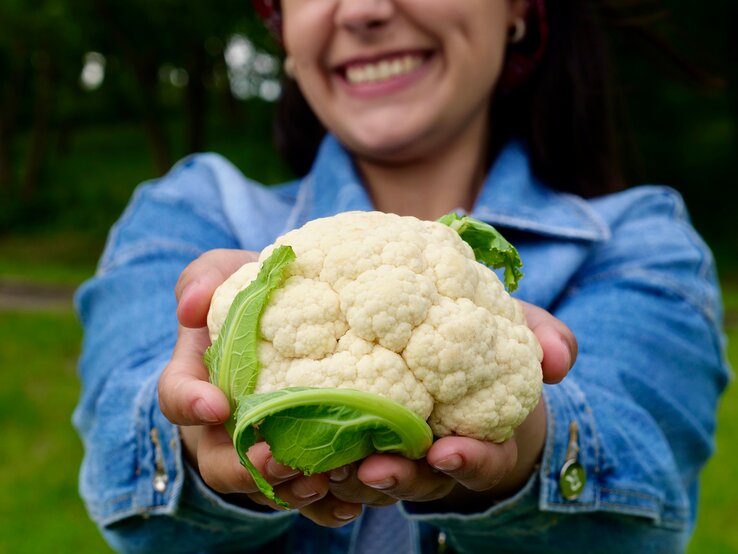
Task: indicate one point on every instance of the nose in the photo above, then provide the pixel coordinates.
(364, 15)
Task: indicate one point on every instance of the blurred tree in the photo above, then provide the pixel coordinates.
(189, 35)
(42, 47)
(38, 38)
(678, 69)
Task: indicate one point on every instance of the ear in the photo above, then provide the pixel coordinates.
(518, 10)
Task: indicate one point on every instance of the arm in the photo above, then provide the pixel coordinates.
(646, 312)
(133, 479)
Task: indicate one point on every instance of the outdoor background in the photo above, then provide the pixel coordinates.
(97, 96)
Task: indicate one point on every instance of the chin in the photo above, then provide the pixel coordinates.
(387, 148)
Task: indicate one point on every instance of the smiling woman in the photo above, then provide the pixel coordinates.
(441, 95)
(498, 108)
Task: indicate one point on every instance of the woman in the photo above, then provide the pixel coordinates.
(428, 106)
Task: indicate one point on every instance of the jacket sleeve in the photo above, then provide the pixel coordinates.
(133, 479)
(646, 311)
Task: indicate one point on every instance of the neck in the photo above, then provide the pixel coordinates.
(428, 186)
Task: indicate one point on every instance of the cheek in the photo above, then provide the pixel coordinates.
(472, 32)
(307, 34)
(305, 28)
(486, 48)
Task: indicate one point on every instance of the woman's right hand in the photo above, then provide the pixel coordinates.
(189, 400)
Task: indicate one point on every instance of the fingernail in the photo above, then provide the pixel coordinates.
(345, 513)
(567, 349)
(449, 463)
(204, 412)
(302, 492)
(383, 485)
(339, 475)
(188, 290)
(279, 471)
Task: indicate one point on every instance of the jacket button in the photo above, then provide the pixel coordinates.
(572, 479)
(160, 481)
(572, 476)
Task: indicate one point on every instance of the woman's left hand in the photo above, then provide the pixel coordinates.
(458, 473)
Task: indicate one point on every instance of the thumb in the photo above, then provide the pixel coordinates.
(198, 282)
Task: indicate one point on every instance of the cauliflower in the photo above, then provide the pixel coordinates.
(391, 310)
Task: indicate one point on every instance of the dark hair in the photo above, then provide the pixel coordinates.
(564, 111)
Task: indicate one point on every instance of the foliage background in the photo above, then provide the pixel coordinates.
(71, 155)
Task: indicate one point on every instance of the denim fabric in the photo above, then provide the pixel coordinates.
(626, 272)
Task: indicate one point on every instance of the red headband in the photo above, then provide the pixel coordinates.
(522, 59)
(269, 12)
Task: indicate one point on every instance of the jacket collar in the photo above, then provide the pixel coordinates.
(511, 196)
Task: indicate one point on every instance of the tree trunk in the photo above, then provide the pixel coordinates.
(11, 97)
(195, 98)
(145, 72)
(732, 67)
(65, 131)
(42, 107)
(146, 78)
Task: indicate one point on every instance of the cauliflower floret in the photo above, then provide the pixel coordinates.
(501, 405)
(353, 366)
(491, 295)
(398, 307)
(387, 303)
(454, 349)
(304, 319)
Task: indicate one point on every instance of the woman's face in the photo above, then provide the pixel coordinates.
(394, 79)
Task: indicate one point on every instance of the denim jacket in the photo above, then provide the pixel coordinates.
(626, 272)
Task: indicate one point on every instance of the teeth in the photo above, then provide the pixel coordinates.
(381, 71)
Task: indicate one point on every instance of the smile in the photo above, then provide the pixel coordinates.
(382, 70)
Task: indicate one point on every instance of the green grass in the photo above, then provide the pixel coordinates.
(61, 258)
(716, 532)
(40, 510)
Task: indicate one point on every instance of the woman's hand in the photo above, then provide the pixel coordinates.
(458, 473)
(188, 399)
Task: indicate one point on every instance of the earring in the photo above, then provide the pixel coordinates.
(289, 67)
(518, 31)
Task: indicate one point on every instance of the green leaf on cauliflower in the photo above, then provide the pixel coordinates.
(317, 430)
(231, 360)
(489, 246)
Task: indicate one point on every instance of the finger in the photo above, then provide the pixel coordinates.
(557, 341)
(404, 479)
(346, 486)
(477, 465)
(185, 395)
(299, 492)
(220, 466)
(198, 282)
(332, 512)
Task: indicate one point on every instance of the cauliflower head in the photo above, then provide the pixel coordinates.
(399, 308)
